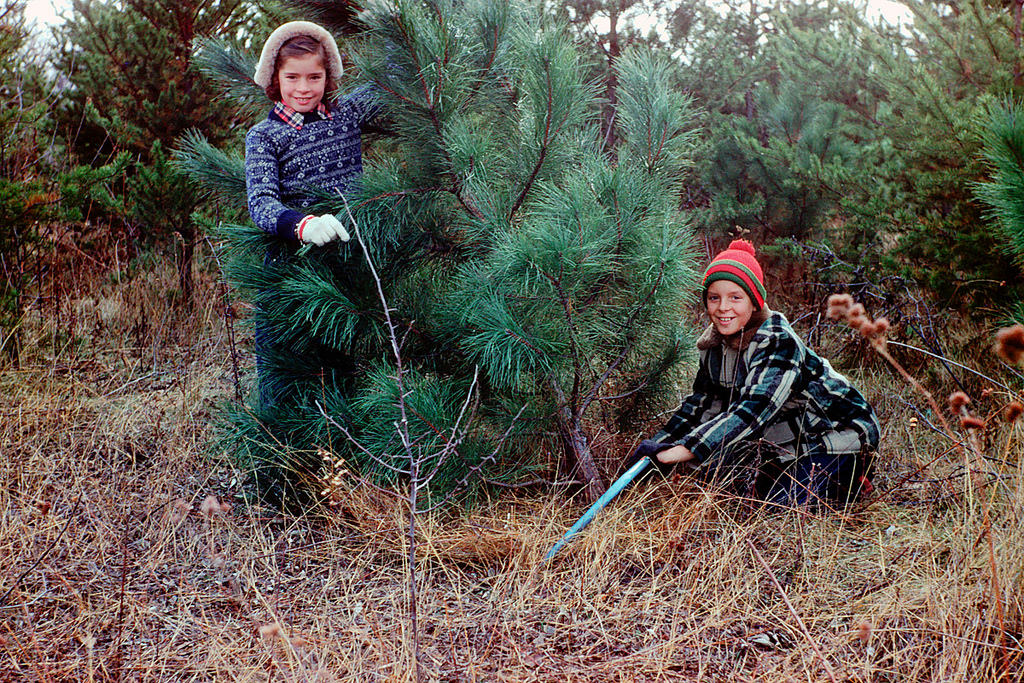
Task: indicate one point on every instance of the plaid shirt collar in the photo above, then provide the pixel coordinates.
(296, 119)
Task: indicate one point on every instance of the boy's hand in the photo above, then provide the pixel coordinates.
(648, 448)
(320, 230)
(675, 454)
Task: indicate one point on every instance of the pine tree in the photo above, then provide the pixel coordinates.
(781, 153)
(507, 242)
(609, 28)
(26, 195)
(133, 88)
(936, 78)
(1002, 136)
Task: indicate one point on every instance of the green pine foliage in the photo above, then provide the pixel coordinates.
(510, 247)
(860, 134)
(572, 269)
(936, 79)
(231, 70)
(133, 87)
(131, 71)
(780, 160)
(218, 171)
(1002, 135)
(604, 30)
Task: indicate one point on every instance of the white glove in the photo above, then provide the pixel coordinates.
(321, 229)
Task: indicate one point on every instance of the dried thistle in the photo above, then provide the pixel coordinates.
(211, 506)
(1010, 344)
(872, 330)
(179, 510)
(843, 306)
(864, 632)
(856, 315)
(958, 400)
(839, 305)
(971, 422)
(1013, 411)
(272, 630)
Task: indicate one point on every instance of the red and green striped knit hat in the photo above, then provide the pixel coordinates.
(738, 264)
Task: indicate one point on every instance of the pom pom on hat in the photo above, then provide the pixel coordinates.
(742, 245)
(738, 264)
(285, 32)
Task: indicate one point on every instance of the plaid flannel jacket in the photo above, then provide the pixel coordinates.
(776, 389)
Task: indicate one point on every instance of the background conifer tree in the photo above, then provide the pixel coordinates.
(604, 30)
(509, 244)
(1002, 135)
(778, 152)
(132, 88)
(26, 195)
(935, 79)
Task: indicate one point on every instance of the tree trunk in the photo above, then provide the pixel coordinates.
(611, 84)
(576, 442)
(188, 247)
(1018, 72)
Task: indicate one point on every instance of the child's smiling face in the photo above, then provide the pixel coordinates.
(729, 307)
(302, 80)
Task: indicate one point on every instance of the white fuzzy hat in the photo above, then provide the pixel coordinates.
(285, 32)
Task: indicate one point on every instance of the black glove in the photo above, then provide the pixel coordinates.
(649, 448)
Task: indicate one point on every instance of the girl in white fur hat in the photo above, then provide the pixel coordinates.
(309, 140)
(308, 144)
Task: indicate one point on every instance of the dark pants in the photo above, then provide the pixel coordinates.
(764, 471)
(289, 361)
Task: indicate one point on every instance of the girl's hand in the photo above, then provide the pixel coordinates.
(320, 230)
(675, 454)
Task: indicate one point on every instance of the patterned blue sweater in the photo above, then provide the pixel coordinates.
(776, 389)
(289, 155)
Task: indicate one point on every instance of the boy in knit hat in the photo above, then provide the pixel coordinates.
(768, 417)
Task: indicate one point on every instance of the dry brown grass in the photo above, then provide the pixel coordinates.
(108, 569)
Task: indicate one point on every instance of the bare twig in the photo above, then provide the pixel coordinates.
(950, 362)
(229, 319)
(355, 442)
(420, 473)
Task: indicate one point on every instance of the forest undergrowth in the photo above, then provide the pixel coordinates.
(127, 551)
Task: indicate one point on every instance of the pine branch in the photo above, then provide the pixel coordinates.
(219, 172)
(340, 15)
(1003, 148)
(400, 193)
(231, 70)
(566, 304)
(543, 150)
(477, 470)
(454, 440)
(627, 343)
(364, 450)
(309, 299)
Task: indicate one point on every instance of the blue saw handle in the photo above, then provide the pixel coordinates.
(588, 516)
